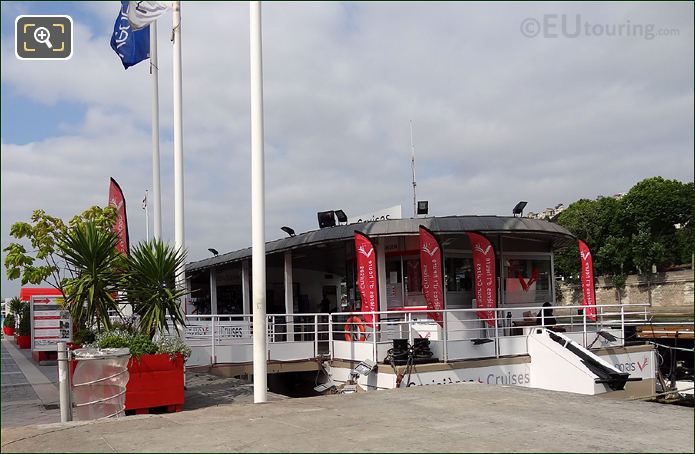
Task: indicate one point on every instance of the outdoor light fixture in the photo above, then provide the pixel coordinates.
(326, 219)
(340, 214)
(214, 251)
(287, 230)
(519, 209)
(422, 207)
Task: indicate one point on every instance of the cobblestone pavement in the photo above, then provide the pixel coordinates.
(20, 404)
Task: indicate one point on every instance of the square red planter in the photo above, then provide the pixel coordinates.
(8, 331)
(23, 341)
(155, 381)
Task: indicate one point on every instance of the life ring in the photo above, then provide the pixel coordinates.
(349, 335)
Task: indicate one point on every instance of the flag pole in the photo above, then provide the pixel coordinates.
(260, 367)
(156, 194)
(179, 241)
(147, 219)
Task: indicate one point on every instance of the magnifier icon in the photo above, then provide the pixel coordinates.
(43, 36)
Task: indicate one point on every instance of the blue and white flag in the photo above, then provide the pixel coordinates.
(143, 13)
(131, 46)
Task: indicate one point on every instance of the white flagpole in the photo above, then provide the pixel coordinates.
(156, 194)
(147, 219)
(260, 367)
(179, 241)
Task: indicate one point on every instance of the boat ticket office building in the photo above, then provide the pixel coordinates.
(314, 272)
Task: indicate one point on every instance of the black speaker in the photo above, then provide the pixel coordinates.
(400, 344)
(326, 219)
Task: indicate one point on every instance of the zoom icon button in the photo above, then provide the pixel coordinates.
(43, 37)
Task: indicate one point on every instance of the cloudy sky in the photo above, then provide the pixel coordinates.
(507, 105)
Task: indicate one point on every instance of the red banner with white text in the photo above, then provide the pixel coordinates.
(587, 278)
(432, 275)
(485, 276)
(367, 277)
(120, 227)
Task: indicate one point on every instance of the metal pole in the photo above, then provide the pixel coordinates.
(445, 336)
(64, 383)
(213, 360)
(260, 367)
(330, 335)
(147, 219)
(412, 165)
(316, 335)
(156, 190)
(179, 240)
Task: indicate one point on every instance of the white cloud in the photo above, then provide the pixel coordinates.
(497, 116)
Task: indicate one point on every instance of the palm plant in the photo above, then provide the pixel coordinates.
(15, 306)
(151, 285)
(94, 263)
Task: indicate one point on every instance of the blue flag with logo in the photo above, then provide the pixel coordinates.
(131, 46)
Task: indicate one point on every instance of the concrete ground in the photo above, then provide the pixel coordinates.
(458, 417)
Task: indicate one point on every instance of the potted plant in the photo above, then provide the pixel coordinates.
(24, 328)
(156, 368)
(150, 285)
(8, 325)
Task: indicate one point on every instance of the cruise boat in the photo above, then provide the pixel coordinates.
(317, 320)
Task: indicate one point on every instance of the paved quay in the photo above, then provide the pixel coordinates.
(458, 417)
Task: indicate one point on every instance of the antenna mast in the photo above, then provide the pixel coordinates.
(412, 165)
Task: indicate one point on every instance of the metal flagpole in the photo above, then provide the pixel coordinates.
(412, 165)
(179, 241)
(260, 367)
(147, 218)
(154, 70)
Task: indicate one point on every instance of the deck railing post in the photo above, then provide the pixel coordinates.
(212, 344)
(330, 335)
(497, 336)
(316, 335)
(376, 327)
(409, 321)
(445, 337)
(584, 324)
(622, 323)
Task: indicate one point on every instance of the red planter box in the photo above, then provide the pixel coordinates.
(23, 341)
(155, 381)
(8, 331)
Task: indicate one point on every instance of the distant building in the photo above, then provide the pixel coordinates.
(548, 213)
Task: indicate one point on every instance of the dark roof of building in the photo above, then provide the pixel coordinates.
(555, 234)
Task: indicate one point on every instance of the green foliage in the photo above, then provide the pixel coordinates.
(140, 344)
(633, 233)
(9, 321)
(91, 256)
(24, 328)
(83, 336)
(172, 345)
(42, 263)
(150, 285)
(15, 305)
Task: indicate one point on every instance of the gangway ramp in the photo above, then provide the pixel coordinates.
(560, 364)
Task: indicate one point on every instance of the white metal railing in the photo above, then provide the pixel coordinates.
(461, 334)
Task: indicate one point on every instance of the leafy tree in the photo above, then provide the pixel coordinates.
(42, 263)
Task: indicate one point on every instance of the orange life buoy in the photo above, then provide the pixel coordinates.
(349, 335)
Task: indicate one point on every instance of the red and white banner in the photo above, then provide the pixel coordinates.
(587, 278)
(367, 277)
(120, 228)
(485, 276)
(432, 275)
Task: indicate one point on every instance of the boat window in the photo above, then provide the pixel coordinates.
(527, 280)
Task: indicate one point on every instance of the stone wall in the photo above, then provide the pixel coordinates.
(664, 292)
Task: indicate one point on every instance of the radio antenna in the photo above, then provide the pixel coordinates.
(412, 165)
